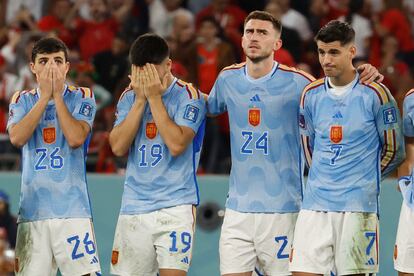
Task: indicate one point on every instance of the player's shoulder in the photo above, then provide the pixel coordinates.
(410, 94)
(187, 90)
(21, 95)
(296, 73)
(312, 88)
(83, 92)
(236, 68)
(379, 91)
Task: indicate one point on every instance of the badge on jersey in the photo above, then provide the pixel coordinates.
(191, 113)
(336, 134)
(114, 258)
(86, 110)
(49, 135)
(254, 116)
(151, 130)
(390, 116)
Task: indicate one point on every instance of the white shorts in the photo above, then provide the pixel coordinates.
(404, 245)
(342, 242)
(250, 239)
(161, 239)
(68, 244)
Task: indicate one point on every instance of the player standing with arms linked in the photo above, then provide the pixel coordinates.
(52, 124)
(262, 99)
(160, 122)
(403, 251)
(351, 137)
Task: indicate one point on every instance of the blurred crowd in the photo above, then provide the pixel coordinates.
(204, 37)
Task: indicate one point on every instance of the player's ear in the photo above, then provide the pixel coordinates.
(67, 65)
(277, 45)
(352, 51)
(168, 65)
(32, 68)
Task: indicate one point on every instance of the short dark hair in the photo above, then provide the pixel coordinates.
(49, 45)
(265, 16)
(148, 48)
(336, 31)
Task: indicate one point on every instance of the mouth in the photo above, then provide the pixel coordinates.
(254, 47)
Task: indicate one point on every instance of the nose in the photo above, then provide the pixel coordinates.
(326, 59)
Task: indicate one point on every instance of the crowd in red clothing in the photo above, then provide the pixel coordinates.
(204, 37)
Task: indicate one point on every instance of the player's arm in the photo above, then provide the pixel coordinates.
(21, 127)
(176, 137)
(408, 127)
(21, 132)
(129, 117)
(307, 132)
(388, 121)
(407, 165)
(75, 129)
(216, 104)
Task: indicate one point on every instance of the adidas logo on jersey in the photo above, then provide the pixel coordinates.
(255, 98)
(337, 115)
(94, 260)
(370, 262)
(185, 260)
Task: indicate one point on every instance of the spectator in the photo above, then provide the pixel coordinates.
(7, 220)
(111, 65)
(55, 22)
(96, 35)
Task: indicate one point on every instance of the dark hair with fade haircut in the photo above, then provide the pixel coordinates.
(49, 45)
(265, 16)
(336, 31)
(148, 48)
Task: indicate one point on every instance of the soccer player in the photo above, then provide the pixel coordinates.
(52, 123)
(160, 122)
(404, 245)
(262, 99)
(351, 136)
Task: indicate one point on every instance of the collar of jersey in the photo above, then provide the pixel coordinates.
(51, 101)
(265, 77)
(168, 90)
(351, 87)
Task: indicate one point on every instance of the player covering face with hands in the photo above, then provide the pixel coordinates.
(52, 124)
(160, 122)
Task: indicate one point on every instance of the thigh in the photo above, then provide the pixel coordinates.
(133, 251)
(34, 254)
(237, 252)
(356, 248)
(74, 246)
(174, 236)
(404, 245)
(273, 241)
(312, 248)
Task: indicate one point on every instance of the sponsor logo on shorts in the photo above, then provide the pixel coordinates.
(185, 260)
(395, 252)
(115, 255)
(16, 264)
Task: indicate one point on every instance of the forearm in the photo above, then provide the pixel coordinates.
(21, 132)
(408, 164)
(122, 136)
(171, 133)
(73, 129)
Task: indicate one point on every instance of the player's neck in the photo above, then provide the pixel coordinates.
(259, 69)
(345, 78)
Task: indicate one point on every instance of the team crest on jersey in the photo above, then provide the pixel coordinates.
(254, 116)
(49, 135)
(86, 110)
(390, 116)
(336, 134)
(151, 130)
(114, 258)
(191, 113)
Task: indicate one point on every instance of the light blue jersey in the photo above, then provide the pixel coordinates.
(350, 141)
(54, 174)
(266, 172)
(154, 178)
